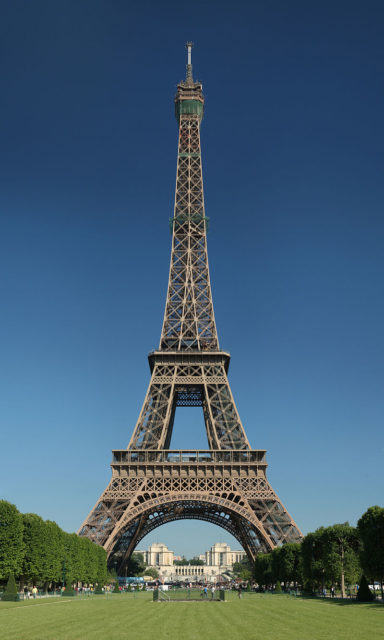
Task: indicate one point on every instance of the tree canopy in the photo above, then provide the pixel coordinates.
(12, 546)
(371, 531)
(151, 571)
(196, 562)
(243, 569)
(136, 565)
(38, 551)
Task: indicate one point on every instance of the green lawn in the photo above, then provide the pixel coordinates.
(135, 617)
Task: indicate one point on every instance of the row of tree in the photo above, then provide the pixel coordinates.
(37, 551)
(195, 562)
(331, 556)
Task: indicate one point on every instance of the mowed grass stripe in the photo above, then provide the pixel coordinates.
(95, 617)
(255, 617)
(302, 619)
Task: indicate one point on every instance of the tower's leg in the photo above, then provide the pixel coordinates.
(205, 384)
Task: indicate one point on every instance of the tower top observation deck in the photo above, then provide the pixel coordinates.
(189, 99)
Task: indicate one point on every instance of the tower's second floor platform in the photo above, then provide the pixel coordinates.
(199, 463)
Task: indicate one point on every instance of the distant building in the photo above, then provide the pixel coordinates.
(218, 560)
(222, 555)
(157, 555)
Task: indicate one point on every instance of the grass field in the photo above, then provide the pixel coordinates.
(256, 616)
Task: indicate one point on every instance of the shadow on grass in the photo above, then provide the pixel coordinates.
(347, 602)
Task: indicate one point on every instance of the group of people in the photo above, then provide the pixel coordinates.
(204, 593)
(332, 592)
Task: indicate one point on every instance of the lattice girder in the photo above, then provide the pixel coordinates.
(189, 321)
(238, 491)
(223, 425)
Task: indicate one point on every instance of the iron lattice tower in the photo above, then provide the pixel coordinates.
(152, 484)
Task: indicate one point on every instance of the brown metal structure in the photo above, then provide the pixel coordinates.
(152, 484)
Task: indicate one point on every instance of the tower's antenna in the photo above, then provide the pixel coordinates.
(189, 46)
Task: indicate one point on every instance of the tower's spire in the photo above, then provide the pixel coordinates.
(189, 46)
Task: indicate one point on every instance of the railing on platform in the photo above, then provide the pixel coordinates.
(216, 456)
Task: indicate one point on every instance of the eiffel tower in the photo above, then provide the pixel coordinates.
(152, 484)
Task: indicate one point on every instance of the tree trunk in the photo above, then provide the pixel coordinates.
(342, 573)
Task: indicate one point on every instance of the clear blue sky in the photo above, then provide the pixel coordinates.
(293, 161)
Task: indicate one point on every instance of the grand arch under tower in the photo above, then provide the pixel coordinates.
(152, 484)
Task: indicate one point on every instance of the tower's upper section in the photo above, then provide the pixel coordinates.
(189, 99)
(189, 323)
